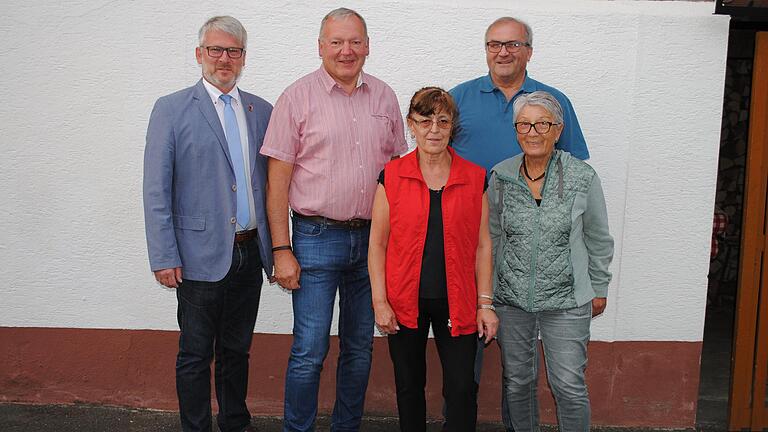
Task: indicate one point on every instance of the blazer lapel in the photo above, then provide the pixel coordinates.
(203, 100)
(252, 119)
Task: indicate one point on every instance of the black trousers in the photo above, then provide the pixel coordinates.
(216, 321)
(407, 348)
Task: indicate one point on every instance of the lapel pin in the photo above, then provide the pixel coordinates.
(250, 107)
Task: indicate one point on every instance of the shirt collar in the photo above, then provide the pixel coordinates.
(329, 83)
(214, 93)
(410, 168)
(529, 86)
(487, 85)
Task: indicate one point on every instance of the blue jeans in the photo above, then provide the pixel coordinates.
(564, 336)
(216, 320)
(331, 258)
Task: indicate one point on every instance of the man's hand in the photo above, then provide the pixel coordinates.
(169, 278)
(287, 270)
(598, 305)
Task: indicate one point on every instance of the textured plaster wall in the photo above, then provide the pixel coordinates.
(80, 79)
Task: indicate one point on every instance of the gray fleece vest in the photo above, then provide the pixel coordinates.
(534, 270)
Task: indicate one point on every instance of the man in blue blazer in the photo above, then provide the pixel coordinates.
(207, 233)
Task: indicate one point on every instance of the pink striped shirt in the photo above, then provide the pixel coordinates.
(336, 142)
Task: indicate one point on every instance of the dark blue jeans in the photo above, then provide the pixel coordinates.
(216, 321)
(331, 258)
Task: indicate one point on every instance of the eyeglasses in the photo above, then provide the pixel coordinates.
(442, 123)
(541, 127)
(512, 46)
(217, 51)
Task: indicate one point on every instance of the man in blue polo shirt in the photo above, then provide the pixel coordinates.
(486, 133)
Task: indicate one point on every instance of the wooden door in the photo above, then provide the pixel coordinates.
(748, 410)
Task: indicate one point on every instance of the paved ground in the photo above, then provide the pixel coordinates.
(87, 418)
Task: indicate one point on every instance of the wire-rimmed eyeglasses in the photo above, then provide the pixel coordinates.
(511, 46)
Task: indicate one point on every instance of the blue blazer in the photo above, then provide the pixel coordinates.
(189, 202)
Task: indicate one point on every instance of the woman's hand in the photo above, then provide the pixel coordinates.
(487, 324)
(377, 252)
(598, 305)
(385, 318)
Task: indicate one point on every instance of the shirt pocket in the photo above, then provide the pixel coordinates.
(381, 135)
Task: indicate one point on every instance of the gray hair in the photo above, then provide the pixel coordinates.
(228, 25)
(342, 12)
(538, 98)
(507, 20)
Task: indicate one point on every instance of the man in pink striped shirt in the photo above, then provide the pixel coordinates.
(330, 134)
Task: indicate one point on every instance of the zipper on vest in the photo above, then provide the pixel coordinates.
(534, 257)
(422, 241)
(445, 245)
(537, 230)
(535, 240)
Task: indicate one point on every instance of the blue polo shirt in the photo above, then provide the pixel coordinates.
(486, 134)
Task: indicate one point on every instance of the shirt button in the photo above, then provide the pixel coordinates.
(234, 188)
(233, 220)
(354, 119)
(357, 142)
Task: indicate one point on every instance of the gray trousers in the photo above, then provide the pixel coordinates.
(564, 336)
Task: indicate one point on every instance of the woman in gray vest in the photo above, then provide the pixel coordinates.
(552, 250)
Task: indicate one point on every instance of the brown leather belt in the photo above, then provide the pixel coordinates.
(349, 224)
(245, 235)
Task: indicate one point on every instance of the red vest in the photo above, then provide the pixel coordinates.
(408, 198)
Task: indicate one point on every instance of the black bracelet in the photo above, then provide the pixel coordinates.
(279, 248)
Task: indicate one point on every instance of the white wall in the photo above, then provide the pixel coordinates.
(80, 78)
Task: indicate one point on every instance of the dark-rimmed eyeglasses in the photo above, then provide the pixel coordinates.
(541, 127)
(512, 46)
(442, 123)
(217, 51)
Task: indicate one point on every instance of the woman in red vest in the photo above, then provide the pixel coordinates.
(429, 260)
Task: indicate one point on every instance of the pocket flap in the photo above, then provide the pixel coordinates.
(380, 116)
(195, 223)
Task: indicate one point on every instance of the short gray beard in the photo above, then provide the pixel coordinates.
(212, 79)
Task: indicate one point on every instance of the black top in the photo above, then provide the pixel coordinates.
(432, 282)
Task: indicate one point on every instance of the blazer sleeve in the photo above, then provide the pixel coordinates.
(159, 156)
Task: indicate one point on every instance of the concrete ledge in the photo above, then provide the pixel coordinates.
(649, 384)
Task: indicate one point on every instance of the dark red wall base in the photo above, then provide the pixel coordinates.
(652, 384)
